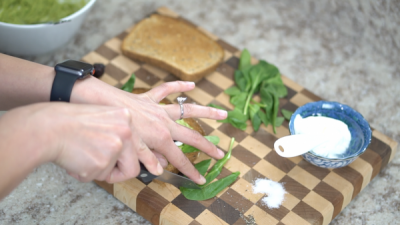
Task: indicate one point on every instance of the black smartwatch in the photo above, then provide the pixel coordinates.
(66, 74)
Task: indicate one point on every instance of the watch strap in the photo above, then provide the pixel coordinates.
(62, 86)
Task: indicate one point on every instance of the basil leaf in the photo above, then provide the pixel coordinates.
(202, 166)
(232, 91)
(286, 114)
(211, 190)
(128, 86)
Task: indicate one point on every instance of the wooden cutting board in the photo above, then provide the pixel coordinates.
(314, 195)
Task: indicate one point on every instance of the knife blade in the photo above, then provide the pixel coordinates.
(167, 177)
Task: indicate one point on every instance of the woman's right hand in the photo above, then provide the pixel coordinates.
(86, 140)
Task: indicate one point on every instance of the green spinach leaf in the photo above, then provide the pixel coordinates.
(216, 169)
(279, 121)
(236, 119)
(216, 106)
(211, 190)
(254, 116)
(286, 114)
(240, 80)
(183, 123)
(263, 78)
(274, 112)
(257, 75)
(268, 100)
(202, 166)
(188, 148)
(128, 86)
(245, 60)
(263, 117)
(239, 100)
(232, 91)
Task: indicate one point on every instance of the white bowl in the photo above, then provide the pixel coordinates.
(37, 39)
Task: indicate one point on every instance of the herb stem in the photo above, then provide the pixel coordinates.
(246, 105)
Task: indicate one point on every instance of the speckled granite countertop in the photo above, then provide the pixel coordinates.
(346, 51)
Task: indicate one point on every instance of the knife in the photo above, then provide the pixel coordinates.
(167, 177)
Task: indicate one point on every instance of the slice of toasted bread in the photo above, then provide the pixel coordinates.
(192, 123)
(173, 45)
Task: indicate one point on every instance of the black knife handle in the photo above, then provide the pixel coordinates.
(144, 175)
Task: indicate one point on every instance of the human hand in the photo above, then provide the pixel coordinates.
(89, 141)
(155, 124)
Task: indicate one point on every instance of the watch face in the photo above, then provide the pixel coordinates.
(77, 68)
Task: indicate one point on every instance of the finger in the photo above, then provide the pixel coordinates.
(74, 175)
(127, 165)
(115, 149)
(195, 139)
(160, 92)
(163, 161)
(194, 111)
(181, 162)
(148, 159)
(125, 169)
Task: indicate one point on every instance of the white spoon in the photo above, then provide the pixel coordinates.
(298, 144)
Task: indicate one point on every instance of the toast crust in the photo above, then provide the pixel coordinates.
(173, 45)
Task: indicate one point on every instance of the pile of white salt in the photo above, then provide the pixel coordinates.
(275, 192)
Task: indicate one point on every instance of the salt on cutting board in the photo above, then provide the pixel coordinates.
(275, 192)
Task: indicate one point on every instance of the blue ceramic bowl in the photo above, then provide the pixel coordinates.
(358, 127)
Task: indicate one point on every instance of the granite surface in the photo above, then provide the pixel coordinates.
(345, 51)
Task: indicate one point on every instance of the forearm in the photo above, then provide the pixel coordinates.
(23, 82)
(20, 151)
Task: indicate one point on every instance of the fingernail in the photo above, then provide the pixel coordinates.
(222, 112)
(191, 83)
(160, 170)
(220, 152)
(202, 180)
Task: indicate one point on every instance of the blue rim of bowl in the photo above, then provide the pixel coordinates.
(362, 120)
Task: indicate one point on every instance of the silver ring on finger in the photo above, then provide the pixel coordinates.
(180, 101)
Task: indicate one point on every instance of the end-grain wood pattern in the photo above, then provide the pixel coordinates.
(314, 195)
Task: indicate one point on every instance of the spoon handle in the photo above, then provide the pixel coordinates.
(295, 145)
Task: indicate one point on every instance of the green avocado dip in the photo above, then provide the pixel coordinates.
(37, 11)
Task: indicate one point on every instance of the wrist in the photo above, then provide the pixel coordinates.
(23, 140)
(94, 91)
